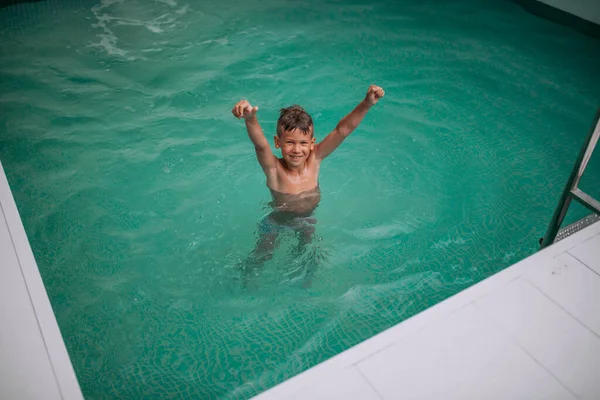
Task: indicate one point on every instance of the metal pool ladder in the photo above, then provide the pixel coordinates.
(571, 190)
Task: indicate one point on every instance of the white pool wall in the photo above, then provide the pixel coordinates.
(586, 9)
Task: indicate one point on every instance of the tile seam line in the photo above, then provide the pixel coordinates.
(562, 308)
(361, 373)
(582, 263)
(516, 342)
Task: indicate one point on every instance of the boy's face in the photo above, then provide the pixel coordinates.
(295, 146)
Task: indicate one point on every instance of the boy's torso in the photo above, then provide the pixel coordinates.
(297, 193)
(284, 181)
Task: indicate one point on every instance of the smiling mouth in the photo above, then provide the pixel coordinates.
(295, 157)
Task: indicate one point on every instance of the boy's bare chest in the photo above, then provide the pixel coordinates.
(297, 182)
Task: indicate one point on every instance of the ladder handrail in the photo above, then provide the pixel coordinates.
(571, 190)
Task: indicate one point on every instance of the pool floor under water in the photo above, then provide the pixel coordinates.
(140, 193)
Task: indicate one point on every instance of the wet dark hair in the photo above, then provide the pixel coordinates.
(294, 117)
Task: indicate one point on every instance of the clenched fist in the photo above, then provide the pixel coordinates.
(374, 94)
(243, 109)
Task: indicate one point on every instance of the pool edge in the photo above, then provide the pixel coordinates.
(19, 263)
(561, 17)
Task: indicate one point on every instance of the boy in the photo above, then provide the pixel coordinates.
(293, 178)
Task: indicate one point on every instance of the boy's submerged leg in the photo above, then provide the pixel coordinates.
(263, 252)
(305, 237)
(311, 255)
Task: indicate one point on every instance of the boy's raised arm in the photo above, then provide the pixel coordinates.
(265, 156)
(347, 124)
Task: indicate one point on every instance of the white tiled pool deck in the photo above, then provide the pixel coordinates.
(531, 331)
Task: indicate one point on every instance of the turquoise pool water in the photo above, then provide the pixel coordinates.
(140, 192)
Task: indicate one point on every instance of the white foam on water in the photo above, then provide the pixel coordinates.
(355, 296)
(108, 39)
(508, 256)
(440, 244)
(221, 41)
(183, 10)
(108, 43)
(153, 28)
(382, 231)
(408, 263)
(171, 3)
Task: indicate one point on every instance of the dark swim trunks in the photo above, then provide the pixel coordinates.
(274, 224)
